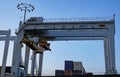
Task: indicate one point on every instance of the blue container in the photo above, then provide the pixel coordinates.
(68, 65)
(59, 73)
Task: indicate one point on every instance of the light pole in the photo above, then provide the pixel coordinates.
(25, 7)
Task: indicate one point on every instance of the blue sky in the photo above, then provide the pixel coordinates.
(91, 53)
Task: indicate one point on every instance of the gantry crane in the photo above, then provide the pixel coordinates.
(63, 29)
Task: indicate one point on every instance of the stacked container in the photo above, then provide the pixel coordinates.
(71, 68)
(77, 72)
(68, 72)
(59, 72)
(68, 67)
(78, 68)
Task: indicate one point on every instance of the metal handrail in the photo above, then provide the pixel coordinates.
(77, 19)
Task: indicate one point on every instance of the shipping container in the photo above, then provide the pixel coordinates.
(68, 72)
(59, 72)
(77, 72)
(77, 66)
(89, 73)
(68, 65)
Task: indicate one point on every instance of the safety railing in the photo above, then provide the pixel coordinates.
(78, 19)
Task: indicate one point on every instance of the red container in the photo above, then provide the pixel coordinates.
(68, 72)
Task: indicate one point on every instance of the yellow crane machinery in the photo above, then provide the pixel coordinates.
(30, 43)
(45, 44)
(33, 46)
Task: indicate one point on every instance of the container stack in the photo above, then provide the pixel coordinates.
(78, 68)
(68, 67)
(71, 68)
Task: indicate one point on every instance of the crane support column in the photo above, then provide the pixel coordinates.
(27, 53)
(5, 53)
(112, 53)
(33, 63)
(107, 56)
(40, 64)
(18, 54)
(13, 58)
